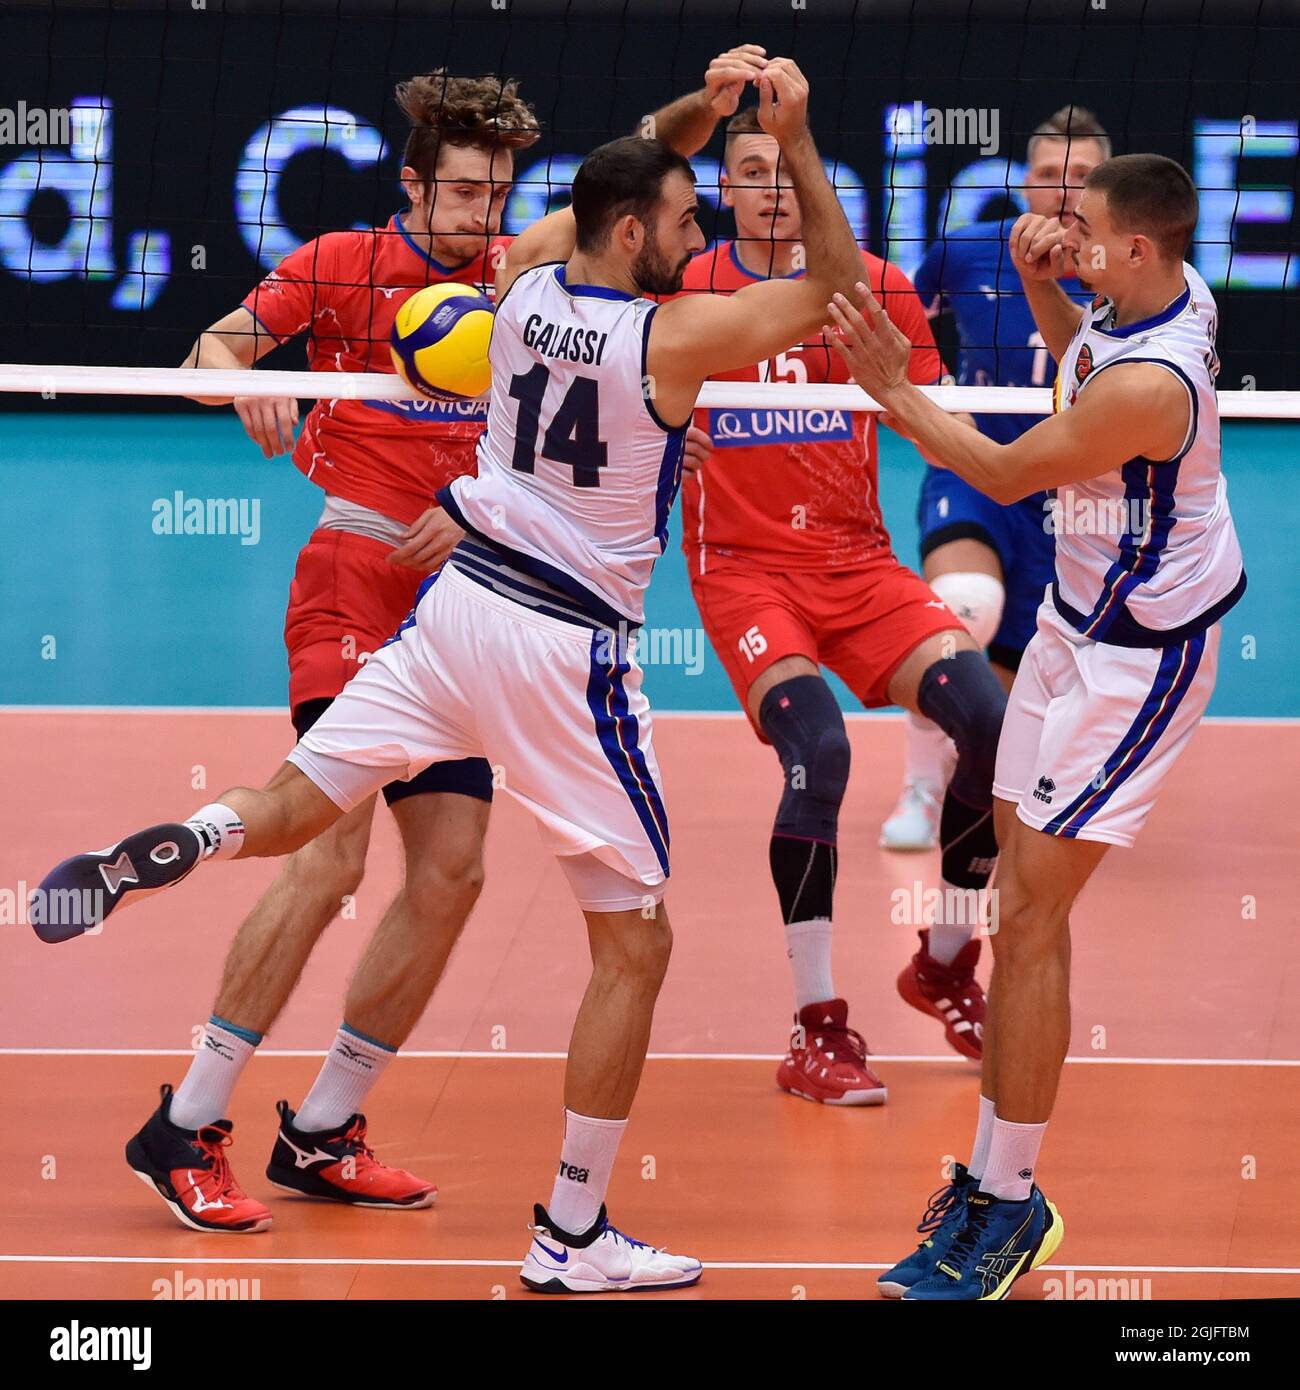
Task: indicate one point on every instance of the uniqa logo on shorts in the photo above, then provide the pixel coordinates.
(732, 429)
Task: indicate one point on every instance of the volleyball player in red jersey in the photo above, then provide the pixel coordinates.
(379, 464)
(792, 568)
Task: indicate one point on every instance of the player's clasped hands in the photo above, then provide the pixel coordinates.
(1036, 249)
(874, 349)
(270, 421)
(728, 74)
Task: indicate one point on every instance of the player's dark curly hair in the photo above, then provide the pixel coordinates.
(484, 112)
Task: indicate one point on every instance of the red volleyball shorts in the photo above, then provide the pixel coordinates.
(345, 602)
(860, 621)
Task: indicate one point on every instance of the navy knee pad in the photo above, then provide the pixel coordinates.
(965, 699)
(804, 723)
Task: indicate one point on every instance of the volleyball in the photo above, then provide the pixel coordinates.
(440, 342)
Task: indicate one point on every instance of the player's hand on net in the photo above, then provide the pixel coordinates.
(1036, 250)
(783, 99)
(727, 74)
(874, 349)
(699, 445)
(270, 421)
(427, 542)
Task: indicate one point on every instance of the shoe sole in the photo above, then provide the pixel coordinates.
(84, 876)
(872, 1096)
(428, 1200)
(909, 994)
(556, 1285)
(179, 1212)
(859, 1098)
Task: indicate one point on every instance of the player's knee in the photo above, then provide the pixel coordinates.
(977, 599)
(804, 723)
(453, 877)
(963, 696)
(1031, 922)
(638, 950)
(651, 950)
(331, 869)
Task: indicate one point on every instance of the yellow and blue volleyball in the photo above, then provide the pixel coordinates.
(440, 342)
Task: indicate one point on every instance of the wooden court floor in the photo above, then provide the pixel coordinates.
(1171, 1155)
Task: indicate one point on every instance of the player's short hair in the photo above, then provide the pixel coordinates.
(485, 113)
(1071, 123)
(625, 176)
(744, 122)
(1150, 194)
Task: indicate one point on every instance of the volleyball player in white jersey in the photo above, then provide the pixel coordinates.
(1121, 667)
(517, 649)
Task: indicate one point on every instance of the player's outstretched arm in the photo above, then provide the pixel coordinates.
(1129, 411)
(1040, 260)
(701, 335)
(687, 124)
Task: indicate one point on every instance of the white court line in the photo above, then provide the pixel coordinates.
(657, 1056)
(185, 1261)
(1248, 720)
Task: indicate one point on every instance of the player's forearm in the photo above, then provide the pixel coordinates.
(686, 124)
(832, 260)
(950, 442)
(1055, 313)
(212, 352)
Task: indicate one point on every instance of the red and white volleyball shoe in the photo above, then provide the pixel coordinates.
(827, 1061)
(338, 1165)
(189, 1170)
(950, 993)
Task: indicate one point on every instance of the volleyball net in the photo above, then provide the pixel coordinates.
(158, 160)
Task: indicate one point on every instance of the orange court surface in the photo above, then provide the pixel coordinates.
(1168, 1154)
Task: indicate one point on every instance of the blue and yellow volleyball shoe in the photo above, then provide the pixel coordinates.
(997, 1243)
(942, 1220)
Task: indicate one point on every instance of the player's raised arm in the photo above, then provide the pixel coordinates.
(1040, 260)
(702, 334)
(1134, 410)
(687, 124)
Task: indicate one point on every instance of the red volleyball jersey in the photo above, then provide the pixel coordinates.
(795, 487)
(344, 289)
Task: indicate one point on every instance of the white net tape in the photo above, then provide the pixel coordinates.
(384, 386)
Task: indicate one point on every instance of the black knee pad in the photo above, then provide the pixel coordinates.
(965, 699)
(806, 727)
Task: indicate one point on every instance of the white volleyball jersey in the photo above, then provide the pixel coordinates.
(1147, 555)
(576, 472)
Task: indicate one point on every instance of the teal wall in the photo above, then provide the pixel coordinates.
(141, 618)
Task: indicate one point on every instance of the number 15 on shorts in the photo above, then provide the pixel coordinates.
(752, 644)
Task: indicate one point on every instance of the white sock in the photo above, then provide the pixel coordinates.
(928, 753)
(204, 1095)
(948, 937)
(979, 1155)
(352, 1066)
(219, 827)
(586, 1161)
(808, 944)
(1013, 1152)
